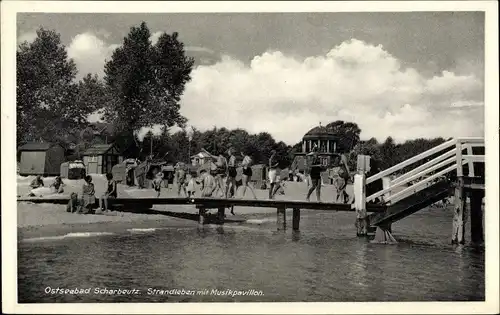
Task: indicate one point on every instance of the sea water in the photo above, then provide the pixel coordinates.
(252, 261)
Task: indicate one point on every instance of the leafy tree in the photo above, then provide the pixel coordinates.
(146, 82)
(46, 92)
(92, 96)
(348, 131)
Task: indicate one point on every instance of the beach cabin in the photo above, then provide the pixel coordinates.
(41, 158)
(124, 172)
(201, 158)
(100, 158)
(73, 170)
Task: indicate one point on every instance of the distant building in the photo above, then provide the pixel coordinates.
(41, 158)
(325, 140)
(100, 158)
(200, 158)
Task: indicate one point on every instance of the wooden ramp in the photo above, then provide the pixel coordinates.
(411, 204)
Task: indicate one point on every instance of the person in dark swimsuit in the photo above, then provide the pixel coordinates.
(231, 174)
(110, 193)
(247, 174)
(315, 175)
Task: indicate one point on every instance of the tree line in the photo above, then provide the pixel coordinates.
(142, 87)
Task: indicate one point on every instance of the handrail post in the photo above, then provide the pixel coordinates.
(360, 204)
(458, 235)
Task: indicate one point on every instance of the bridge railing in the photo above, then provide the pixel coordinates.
(451, 158)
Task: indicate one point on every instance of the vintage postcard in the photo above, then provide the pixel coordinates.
(292, 157)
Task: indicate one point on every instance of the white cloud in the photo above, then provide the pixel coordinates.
(355, 81)
(89, 53)
(28, 36)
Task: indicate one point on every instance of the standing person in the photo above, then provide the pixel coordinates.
(221, 165)
(181, 180)
(110, 193)
(231, 174)
(190, 187)
(157, 183)
(208, 183)
(273, 174)
(340, 175)
(246, 164)
(315, 175)
(88, 195)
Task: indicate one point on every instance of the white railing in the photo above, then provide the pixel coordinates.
(421, 177)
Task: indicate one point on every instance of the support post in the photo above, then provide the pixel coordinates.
(202, 212)
(458, 236)
(360, 204)
(281, 219)
(296, 219)
(383, 235)
(220, 215)
(476, 216)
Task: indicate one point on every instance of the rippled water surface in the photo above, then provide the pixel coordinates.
(324, 262)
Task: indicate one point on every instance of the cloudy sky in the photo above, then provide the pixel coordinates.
(404, 75)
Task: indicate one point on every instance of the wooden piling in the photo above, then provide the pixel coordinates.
(220, 215)
(202, 212)
(476, 216)
(296, 219)
(360, 205)
(281, 219)
(458, 235)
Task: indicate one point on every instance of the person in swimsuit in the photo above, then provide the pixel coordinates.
(88, 195)
(57, 185)
(231, 174)
(341, 180)
(273, 176)
(247, 174)
(315, 175)
(37, 182)
(181, 180)
(110, 193)
(221, 164)
(157, 183)
(209, 184)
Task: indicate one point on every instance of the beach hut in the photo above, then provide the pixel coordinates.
(124, 172)
(41, 158)
(100, 158)
(73, 170)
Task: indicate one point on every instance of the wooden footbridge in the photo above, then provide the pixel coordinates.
(439, 172)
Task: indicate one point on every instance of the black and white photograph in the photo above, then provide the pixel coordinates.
(181, 154)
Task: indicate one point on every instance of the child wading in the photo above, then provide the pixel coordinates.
(247, 174)
(110, 192)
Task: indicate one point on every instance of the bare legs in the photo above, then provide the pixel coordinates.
(315, 184)
(246, 184)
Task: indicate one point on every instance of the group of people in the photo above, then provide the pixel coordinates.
(87, 203)
(38, 186)
(339, 173)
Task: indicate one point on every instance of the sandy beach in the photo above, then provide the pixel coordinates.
(47, 220)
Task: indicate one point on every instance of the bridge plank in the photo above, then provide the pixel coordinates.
(212, 203)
